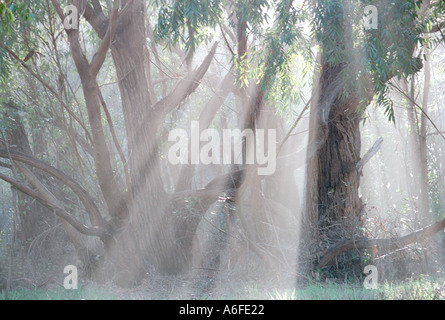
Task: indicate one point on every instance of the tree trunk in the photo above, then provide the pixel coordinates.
(152, 236)
(423, 147)
(333, 205)
(338, 181)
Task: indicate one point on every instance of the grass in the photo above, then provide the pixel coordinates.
(58, 294)
(421, 288)
(326, 292)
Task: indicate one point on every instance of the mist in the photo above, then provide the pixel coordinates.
(222, 149)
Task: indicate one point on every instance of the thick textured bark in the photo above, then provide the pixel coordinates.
(333, 205)
(338, 181)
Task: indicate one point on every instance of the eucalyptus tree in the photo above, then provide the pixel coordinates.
(140, 224)
(356, 66)
(120, 182)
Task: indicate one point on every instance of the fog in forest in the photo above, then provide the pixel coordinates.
(222, 149)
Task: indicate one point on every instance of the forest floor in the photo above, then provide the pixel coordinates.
(45, 281)
(202, 288)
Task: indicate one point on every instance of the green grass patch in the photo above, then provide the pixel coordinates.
(58, 294)
(326, 292)
(422, 288)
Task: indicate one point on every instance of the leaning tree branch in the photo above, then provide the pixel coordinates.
(60, 212)
(84, 197)
(100, 55)
(185, 87)
(55, 204)
(114, 197)
(79, 58)
(96, 18)
(384, 245)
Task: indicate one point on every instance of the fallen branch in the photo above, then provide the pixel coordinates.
(384, 245)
